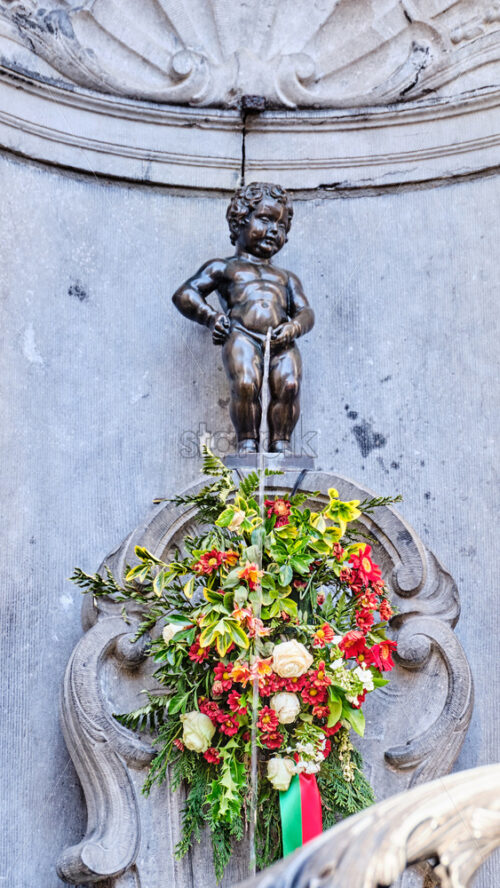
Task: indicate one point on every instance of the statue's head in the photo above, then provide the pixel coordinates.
(259, 218)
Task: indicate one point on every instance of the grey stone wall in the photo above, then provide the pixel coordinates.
(106, 390)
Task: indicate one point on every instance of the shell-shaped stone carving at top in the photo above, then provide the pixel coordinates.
(302, 53)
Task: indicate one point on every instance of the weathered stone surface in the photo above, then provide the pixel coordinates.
(454, 821)
(98, 416)
(430, 138)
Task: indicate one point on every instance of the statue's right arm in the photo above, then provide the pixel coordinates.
(191, 297)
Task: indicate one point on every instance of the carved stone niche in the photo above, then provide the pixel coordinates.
(415, 726)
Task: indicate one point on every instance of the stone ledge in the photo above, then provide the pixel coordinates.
(435, 138)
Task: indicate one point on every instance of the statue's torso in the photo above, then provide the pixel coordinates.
(254, 294)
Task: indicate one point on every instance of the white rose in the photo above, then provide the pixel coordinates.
(286, 707)
(237, 519)
(280, 771)
(291, 659)
(198, 731)
(169, 631)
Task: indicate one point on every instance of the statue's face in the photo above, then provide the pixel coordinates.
(265, 230)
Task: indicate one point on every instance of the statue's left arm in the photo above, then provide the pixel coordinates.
(299, 309)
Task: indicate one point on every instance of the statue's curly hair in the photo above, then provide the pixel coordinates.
(246, 199)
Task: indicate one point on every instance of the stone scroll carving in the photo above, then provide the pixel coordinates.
(338, 53)
(454, 821)
(414, 735)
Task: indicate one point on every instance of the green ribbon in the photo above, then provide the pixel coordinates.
(291, 816)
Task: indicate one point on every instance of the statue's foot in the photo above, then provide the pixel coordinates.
(249, 445)
(280, 447)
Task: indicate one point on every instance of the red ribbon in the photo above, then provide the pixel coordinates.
(312, 821)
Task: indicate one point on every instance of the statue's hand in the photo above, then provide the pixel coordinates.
(220, 327)
(285, 333)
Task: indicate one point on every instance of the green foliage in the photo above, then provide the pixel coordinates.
(268, 831)
(340, 797)
(368, 506)
(97, 584)
(148, 717)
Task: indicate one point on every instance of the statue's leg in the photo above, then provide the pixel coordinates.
(284, 380)
(243, 361)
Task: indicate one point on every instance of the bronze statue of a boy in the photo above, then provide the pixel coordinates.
(254, 296)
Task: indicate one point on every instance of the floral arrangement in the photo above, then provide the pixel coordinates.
(272, 626)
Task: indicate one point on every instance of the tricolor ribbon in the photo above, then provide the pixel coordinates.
(300, 808)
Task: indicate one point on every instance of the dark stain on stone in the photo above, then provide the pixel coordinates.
(427, 495)
(223, 402)
(32, 541)
(422, 462)
(404, 537)
(394, 465)
(367, 440)
(468, 551)
(386, 378)
(352, 414)
(382, 465)
(78, 291)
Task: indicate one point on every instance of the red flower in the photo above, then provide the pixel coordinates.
(362, 564)
(217, 688)
(198, 653)
(364, 620)
(320, 598)
(321, 711)
(234, 703)
(210, 708)
(281, 508)
(299, 584)
(380, 655)
(345, 575)
(209, 562)
(228, 724)
(385, 610)
(267, 720)
(269, 685)
(353, 644)
(294, 684)
(328, 748)
(272, 740)
(312, 694)
(338, 552)
(323, 635)
(359, 702)
(368, 599)
(180, 745)
(251, 574)
(223, 674)
(319, 678)
(331, 731)
(212, 755)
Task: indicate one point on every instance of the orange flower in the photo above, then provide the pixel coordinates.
(241, 673)
(251, 574)
(323, 635)
(230, 557)
(261, 668)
